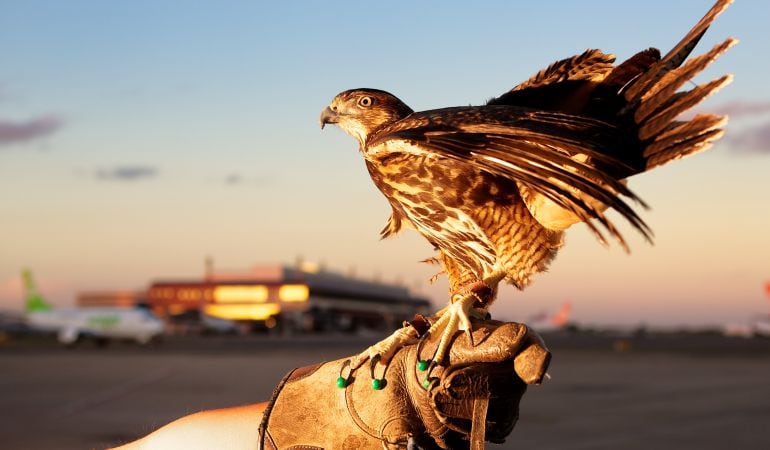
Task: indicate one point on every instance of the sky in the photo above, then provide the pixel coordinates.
(139, 137)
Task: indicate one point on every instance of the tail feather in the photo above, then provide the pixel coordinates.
(631, 68)
(678, 103)
(679, 132)
(668, 84)
(680, 51)
(676, 56)
(687, 147)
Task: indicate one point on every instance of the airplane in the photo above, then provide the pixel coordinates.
(544, 322)
(102, 324)
(217, 325)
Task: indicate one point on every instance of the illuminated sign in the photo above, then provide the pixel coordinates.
(240, 294)
(293, 293)
(243, 312)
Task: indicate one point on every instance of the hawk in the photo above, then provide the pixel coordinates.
(494, 187)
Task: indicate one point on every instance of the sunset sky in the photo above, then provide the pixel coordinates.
(136, 138)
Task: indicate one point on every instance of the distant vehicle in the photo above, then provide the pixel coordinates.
(757, 327)
(216, 325)
(102, 324)
(12, 324)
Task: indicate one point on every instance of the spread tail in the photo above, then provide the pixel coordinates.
(653, 99)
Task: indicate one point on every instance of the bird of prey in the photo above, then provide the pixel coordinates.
(494, 187)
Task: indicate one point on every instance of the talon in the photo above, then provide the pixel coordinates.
(359, 360)
(469, 334)
(464, 319)
(387, 348)
(469, 302)
(431, 366)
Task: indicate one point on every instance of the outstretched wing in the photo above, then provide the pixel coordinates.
(535, 148)
(640, 95)
(565, 86)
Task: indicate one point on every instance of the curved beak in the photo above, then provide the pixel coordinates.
(328, 116)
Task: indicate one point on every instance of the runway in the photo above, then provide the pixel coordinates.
(703, 392)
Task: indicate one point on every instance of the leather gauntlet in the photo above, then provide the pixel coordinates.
(471, 398)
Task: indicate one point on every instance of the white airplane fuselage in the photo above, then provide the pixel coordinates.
(139, 325)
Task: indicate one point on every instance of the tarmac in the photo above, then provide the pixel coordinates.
(639, 392)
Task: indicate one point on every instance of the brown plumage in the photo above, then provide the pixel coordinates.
(493, 187)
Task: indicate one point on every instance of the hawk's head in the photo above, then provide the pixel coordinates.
(360, 112)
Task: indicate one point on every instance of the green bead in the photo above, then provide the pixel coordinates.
(422, 365)
(426, 383)
(376, 384)
(341, 382)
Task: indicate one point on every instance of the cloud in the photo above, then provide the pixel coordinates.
(126, 173)
(233, 179)
(752, 117)
(743, 108)
(753, 139)
(12, 132)
(237, 179)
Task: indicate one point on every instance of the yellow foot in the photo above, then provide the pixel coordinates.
(385, 349)
(455, 317)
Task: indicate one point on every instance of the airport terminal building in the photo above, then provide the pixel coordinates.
(295, 298)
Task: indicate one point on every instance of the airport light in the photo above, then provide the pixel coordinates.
(243, 312)
(240, 294)
(293, 293)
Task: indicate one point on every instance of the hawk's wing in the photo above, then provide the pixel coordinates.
(564, 86)
(641, 95)
(534, 148)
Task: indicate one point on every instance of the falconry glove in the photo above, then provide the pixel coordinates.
(471, 398)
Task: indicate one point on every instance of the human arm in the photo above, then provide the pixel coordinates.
(233, 428)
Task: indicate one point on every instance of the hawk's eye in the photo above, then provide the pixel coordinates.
(365, 102)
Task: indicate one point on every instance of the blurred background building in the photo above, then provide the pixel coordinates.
(121, 299)
(300, 298)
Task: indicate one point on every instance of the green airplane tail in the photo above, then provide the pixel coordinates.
(35, 302)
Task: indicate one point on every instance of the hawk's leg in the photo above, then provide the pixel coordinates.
(471, 301)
